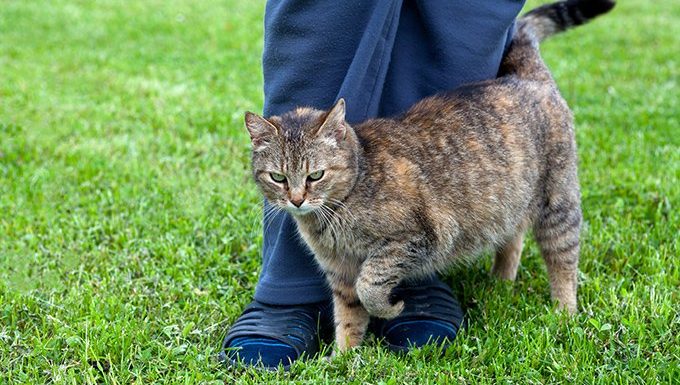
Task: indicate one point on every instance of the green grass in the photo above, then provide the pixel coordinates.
(130, 230)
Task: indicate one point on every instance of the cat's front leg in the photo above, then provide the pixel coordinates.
(377, 278)
(351, 319)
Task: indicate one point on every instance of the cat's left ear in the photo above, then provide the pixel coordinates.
(334, 125)
(260, 129)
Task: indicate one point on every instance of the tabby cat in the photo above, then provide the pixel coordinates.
(394, 199)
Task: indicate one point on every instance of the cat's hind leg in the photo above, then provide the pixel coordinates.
(557, 225)
(506, 260)
(557, 233)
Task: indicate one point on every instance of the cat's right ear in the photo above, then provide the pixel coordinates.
(334, 124)
(260, 130)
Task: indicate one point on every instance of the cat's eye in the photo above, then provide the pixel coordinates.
(316, 175)
(278, 178)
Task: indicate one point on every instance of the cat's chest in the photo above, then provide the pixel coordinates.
(337, 236)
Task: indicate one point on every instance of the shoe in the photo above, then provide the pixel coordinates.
(270, 336)
(431, 315)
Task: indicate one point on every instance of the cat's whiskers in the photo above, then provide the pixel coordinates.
(343, 220)
(330, 220)
(347, 235)
(256, 217)
(269, 213)
(340, 224)
(344, 206)
(322, 217)
(261, 215)
(333, 222)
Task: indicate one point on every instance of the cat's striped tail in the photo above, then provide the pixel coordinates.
(523, 58)
(553, 18)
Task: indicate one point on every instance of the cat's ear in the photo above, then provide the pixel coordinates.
(334, 125)
(260, 129)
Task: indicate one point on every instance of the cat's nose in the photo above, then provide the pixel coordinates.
(297, 201)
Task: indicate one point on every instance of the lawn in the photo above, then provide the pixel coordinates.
(130, 231)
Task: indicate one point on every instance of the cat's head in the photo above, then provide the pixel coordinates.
(304, 159)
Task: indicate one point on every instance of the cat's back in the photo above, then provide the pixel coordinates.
(504, 120)
(508, 102)
(475, 154)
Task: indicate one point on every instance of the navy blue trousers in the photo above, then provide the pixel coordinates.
(382, 56)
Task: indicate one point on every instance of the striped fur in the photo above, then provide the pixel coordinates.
(557, 17)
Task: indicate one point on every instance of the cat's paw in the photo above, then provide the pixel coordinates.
(376, 300)
(388, 310)
(567, 306)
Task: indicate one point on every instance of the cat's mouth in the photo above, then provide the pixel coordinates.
(299, 211)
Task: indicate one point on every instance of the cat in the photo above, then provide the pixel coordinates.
(390, 200)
